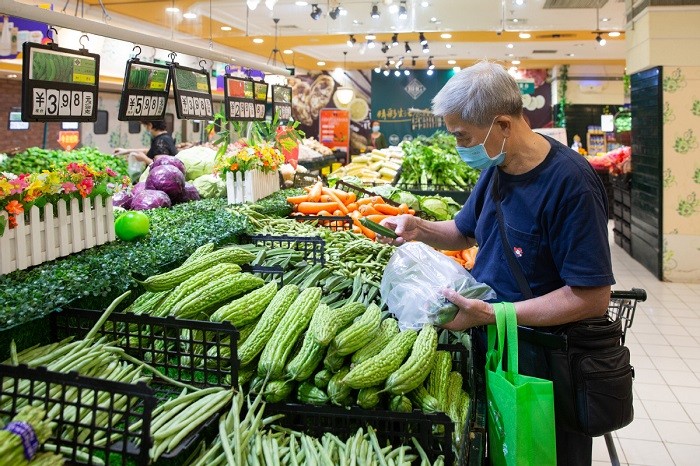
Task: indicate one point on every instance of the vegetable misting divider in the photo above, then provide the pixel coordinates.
(56, 231)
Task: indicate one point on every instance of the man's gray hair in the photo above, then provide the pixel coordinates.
(478, 94)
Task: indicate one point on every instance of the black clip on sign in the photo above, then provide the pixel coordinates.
(59, 84)
(239, 98)
(282, 102)
(145, 91)
(192, 91)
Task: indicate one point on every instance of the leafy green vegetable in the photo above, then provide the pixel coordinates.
(404, 197)
(436, 206)
(35, 160)
(276, 205)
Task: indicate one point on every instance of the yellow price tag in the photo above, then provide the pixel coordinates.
(84, 78)
(326, 171)
(202, 87)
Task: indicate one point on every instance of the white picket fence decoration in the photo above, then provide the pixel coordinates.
(59, 234)
(251, 187)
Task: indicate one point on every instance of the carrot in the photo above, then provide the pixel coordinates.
(365, 231)
(323, 213)
(298, 199)
(356, 229)
(325, 198)
(352, 206)
(377, 218)
(340, 194)
(368, 210)
(411, 212)
(387, 209)
(335, 198)
(355, 214)
(338, 213)
(403, 208)
(316, 191)
(312, 208)
(365, 200)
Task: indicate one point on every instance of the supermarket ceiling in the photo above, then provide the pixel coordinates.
(461, 31)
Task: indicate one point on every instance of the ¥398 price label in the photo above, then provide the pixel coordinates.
(192, 93)
(145, 91)
(59, 84)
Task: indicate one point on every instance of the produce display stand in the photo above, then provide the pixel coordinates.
(332, 222)
(312, 247)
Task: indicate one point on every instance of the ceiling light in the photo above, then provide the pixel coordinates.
(315, 12)
(377, 70)
(614, 34)
(270, 4)
(374, 13)
(451, 62)
(393, 8)
(397, 73)
(422, 39)
(569, 54)
(424, 4)
(515, 20)
(446, 35)
(288, 51)
(433, 19)
(387, 62)
(448, 46)
(394, 40)
(345, 94)
(334, 13)
(403, 13)
(370, 37)
(351, 41)
(390, 62)
(456, 69)
(399, 63)
(524, 35)
(171, 9)
(431, 65)
(11, 76)
(510, 55)
(510, 46)
(371, 44)
(321, 63)
(258, 40)
(386, 73)
(413, 61)
(519, 2)
(426, 49)
(355, 21)
(301, 3)
(338, 70)
(600, 40)
(385, 48)
(343, 11)
(252, 4)
(406, 72)
(189, 16)
(408, 48)
(515, 62)
(430, 72)
(226, 28)
(605, 20)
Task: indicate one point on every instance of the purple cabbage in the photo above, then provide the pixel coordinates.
(169, 160)
(166, 178)
(138, 187)
(150, 199)
(122, 199)
(190, 193)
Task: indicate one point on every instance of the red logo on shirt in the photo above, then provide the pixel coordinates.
(518, 252)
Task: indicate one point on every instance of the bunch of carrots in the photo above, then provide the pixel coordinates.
(465, 257)
(324, 201)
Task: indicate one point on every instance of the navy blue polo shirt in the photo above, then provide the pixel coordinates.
(556, 219)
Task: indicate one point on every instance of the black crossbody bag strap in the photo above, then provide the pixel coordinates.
(533, 336)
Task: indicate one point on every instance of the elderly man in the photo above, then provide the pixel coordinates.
(554, 212)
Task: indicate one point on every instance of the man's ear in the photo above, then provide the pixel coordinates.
(505, 124)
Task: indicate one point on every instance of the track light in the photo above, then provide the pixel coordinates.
(399, 63)
(385, 48)
(397, 73)
(403, 13)
(395, 40)
(371, 44)
(407, 72)
(315, 12)
(375, 11)
(431, 65)
(426, 49)
(430, 72)
(351, 40)
(387, 63)
(408, 48)
(600, 40)
(422, 39)
(413, 61)
(377, 70)
(386, 73)
(334, 13)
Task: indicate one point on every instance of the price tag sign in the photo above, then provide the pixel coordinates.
(145, 91)
(59, 84)
(282, 102)
(192, 93)
(260, 100)
(239, 99)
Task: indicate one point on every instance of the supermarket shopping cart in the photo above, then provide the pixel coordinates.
(623, 305)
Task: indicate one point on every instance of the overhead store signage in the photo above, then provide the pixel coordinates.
(59, 84)
(244, 99)
(527, 86)
(68, 139)
(282, 102)
(192, 91)
(145, 91)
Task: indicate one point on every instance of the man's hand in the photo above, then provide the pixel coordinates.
(406, 227)
(472, 312)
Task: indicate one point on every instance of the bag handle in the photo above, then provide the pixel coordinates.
(506, 331)
(496, 334)
(512, 336)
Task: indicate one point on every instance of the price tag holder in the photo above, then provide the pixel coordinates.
(145, 91)
(192, 93)
(59, 84)
(282, 102)
(260, 100)
(239, 99)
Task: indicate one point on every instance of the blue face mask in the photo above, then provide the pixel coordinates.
(477, 157)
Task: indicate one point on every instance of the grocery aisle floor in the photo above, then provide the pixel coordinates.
(665, 344)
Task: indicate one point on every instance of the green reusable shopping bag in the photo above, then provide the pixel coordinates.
(520, 408)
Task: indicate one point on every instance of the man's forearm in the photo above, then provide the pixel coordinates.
(564, 305)
(443, 235)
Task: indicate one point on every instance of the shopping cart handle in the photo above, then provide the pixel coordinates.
(635, 293)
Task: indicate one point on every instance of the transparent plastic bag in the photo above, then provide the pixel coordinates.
(135, 167)
(413, 281)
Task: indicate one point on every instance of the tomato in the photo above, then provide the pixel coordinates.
(131, 225)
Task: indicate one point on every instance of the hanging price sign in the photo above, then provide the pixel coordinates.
(282, 102)
(239, 98)
(145, 91)
(59, 84)
(192, 93)
(260, 100)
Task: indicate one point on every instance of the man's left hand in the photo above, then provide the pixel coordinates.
(472, 312)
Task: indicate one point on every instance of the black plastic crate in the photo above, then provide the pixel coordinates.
(190, 351)
(458, 196)
(267, 273)
(313, 247)
(80, 432)
(334, 223)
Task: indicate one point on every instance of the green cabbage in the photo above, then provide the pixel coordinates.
(210, 186)
(436, 206)
(198, 161)
(404, 197)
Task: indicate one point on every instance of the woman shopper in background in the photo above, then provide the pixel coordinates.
(161, 143)
(377, 139)
(555, 214)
